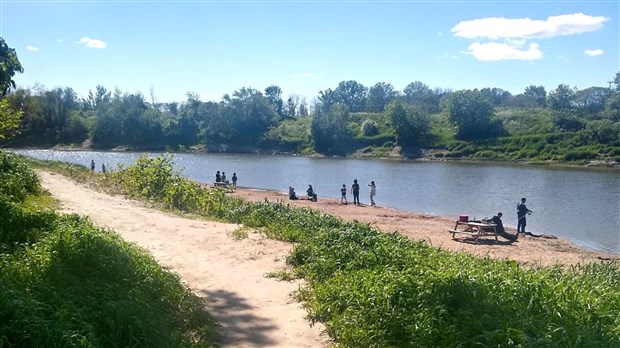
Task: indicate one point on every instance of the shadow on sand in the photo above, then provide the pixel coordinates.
(238, 325)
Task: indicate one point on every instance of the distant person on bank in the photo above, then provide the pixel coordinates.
(355, 189)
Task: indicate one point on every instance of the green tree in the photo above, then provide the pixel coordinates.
(327, 98)
(470, 112)
(411, 124)
(274, 95)
(379, 96)
(419, 94)
(352, 94)
(562, 98)
(612, 105)
(604, 131)
(9, 119)
(536, 94)
(497, 95)
(9, 66)
(245, 117)
(330, 130)
(591, 101)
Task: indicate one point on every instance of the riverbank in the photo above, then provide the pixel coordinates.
(395, 154)
(527, 250)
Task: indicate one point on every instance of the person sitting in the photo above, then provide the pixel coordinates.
(291, 193)
(218, 177)
(499, 227)
(311, 194)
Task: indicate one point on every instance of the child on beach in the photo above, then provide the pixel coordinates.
(373, 192)
(343, 192)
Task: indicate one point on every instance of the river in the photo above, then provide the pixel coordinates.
(578, 204)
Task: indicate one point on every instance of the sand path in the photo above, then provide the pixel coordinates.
(253, 311)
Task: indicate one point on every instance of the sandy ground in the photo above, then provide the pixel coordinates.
(528, 251)
(255, 311)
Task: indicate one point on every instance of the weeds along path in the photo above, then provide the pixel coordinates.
(254, 311)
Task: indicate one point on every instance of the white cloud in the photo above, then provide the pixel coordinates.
(60, 40)
(499, 38)
(593, 53)
(92, 43)
(32, 48)
(525, 28)
(305, 75)
(494, 51)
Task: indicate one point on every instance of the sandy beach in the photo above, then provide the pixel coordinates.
(252, 309)
(528, 251)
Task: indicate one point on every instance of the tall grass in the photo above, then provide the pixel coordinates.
(373, 289)
(67, 283)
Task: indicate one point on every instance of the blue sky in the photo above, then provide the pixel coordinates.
(211, 48)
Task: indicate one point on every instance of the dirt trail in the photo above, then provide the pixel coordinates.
(254, 311)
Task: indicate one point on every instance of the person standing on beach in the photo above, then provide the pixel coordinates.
(234, 180)
(373, 192)
(343, 194)
(103, 168)
(522, 211)
(355, 189)
(92, 165)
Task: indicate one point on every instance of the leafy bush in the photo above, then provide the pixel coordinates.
(17, 180)
(370, 128)
(576, 155)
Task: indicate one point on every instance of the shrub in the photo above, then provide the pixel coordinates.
(370, 128)
(576, 155)
(17, 180)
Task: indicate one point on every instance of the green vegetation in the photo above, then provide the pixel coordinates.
(373, 289)
(350, 120)
(67, 283)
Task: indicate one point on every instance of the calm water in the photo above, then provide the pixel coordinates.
(577, 204)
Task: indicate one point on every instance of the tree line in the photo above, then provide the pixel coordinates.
(248, 117)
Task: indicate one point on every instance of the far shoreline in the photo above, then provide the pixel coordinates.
(588, 165)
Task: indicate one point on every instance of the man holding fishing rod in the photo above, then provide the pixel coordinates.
(522, 211)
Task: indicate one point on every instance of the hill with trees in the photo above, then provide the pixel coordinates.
(563, 125)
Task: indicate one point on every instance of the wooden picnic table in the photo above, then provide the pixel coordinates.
(224, 185)
(474, 228)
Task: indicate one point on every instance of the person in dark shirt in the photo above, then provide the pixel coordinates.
(355, 189)
(522, 211)
(218, 177)
(499, 227)
(497, 220)
(234, 179)
(291, 193)
(311, 194)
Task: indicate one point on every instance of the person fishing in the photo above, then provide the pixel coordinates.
(522, 211)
